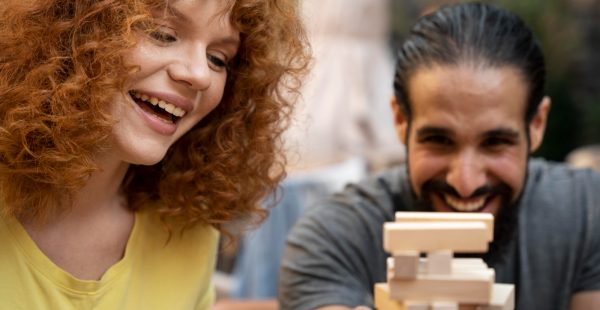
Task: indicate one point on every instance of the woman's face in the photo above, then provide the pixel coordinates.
(181, 78)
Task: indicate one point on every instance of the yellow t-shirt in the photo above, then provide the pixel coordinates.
(151, 275)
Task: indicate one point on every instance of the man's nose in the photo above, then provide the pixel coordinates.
(466, 173)
(192, 69)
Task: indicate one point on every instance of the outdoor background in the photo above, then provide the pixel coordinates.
(342, 128)
(569, 31)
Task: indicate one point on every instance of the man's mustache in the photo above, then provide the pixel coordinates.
(439, 186)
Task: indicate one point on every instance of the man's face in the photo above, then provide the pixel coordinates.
(467, 141)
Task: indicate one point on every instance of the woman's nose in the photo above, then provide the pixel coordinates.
(192, 69)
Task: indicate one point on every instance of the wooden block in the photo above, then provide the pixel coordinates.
(460, 265)
(468, 237)
(473, 287)
(439, 262)
(465, 264)
(382, 298)
(403, 265)
(486, 218)
(444, 305)
(503, 298)
(384, 302)
(416, 305)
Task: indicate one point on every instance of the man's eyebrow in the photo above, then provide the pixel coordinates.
(503, 132)
(432, 130)
(508, 133)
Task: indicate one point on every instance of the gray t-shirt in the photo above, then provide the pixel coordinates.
(334, 254)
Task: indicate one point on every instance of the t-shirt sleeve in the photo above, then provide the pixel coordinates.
(589, 277)
(333, 256)
(207, 300)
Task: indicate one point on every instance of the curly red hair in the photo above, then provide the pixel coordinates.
(58, 59)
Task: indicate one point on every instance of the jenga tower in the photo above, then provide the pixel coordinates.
(439, 281)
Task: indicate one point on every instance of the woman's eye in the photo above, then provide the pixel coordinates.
(217, 62)
(162, 36)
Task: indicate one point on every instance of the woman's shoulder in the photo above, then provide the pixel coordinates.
(176, 234)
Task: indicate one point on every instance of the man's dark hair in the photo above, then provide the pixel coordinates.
(474, 33)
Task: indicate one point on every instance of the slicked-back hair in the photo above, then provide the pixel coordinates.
(471, 33)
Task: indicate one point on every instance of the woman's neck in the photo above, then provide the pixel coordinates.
(90, 236)
(102, 190)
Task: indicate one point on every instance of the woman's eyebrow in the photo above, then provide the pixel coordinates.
(172, 12)
(180, 17)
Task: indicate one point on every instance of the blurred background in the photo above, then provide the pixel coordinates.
(569, 31)
(342, 127)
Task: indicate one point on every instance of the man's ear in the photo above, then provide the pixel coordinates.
(537, 126)
(400, 120)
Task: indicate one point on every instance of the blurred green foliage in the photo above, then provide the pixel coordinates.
(557, 31)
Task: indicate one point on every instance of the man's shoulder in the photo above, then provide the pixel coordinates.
(384, 188)
(548, 176)
(562, 190)
(559, 169)
(557, 238)
(374, 198)
(386, 184)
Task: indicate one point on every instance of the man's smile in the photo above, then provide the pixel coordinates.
(465, 205)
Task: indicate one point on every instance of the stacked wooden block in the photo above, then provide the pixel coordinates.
(439, 281)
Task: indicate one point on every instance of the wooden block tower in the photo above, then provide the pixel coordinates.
(438, 281)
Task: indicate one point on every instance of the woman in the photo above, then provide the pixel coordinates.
(130, 132)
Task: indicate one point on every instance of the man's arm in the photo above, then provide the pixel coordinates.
(585, 301)
(333, 256)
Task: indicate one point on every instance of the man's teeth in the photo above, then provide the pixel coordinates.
(179, 112)
(466, 206)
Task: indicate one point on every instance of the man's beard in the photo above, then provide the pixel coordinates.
(505, 221)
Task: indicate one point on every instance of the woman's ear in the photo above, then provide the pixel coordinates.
(537, 126)
(400, 120)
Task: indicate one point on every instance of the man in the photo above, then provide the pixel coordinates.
(470, 108)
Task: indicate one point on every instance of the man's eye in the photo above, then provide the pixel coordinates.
(437, 140)
(496, 141)
(162, 36)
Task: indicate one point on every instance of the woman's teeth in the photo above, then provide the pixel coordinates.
(171, 108)
(466, 206)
